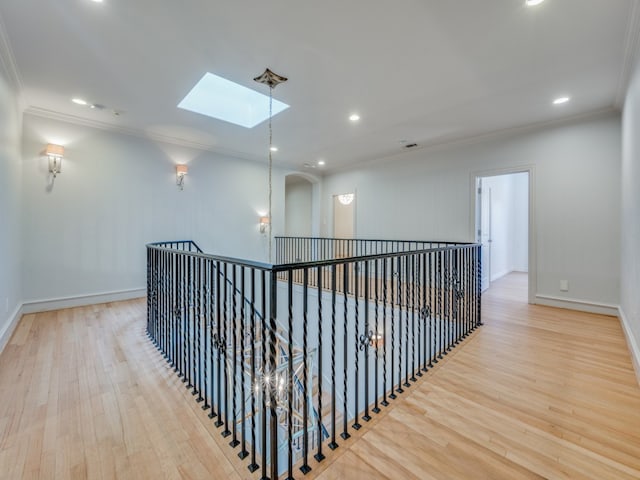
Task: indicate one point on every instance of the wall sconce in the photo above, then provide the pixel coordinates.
(264, 223)
(181, 171)
(55, 154)
(346, 198)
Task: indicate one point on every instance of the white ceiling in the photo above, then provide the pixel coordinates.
(423, 71)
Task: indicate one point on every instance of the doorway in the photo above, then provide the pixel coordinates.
(298, 206)
(503, 229)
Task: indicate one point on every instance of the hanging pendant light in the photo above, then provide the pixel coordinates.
(272, 80)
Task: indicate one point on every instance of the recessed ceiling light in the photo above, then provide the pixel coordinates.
(354, 117)
(533, 3)
(561, 100)
(321, 163)
(97, 1)
(79, 101)
(225, 100)
(274, 148)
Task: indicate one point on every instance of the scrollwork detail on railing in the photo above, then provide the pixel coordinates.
(366, 341)
(220, 343)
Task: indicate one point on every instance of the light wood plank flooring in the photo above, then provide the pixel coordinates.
(536, 393)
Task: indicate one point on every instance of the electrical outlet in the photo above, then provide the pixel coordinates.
(564, 285)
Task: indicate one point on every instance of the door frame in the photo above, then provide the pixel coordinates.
(530, 169)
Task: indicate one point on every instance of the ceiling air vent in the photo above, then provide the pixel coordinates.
(411, 145)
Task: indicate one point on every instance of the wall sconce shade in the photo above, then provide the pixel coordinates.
(55, 154)
(264, 222)
(181, 171)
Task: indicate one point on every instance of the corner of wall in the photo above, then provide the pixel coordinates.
(634, 349)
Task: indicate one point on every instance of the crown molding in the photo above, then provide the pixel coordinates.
(7, 60)
(631, 53)
(133, 132)
(483, 137)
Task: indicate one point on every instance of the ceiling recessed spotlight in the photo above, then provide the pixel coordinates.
(561, 100)
(354, 117)
(533, 3)
(97, 1)
(274, 148)
(321, 163)
(79, 101)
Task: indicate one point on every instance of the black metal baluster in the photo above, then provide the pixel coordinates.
(368, 339)
(479, 287)
(273, 419)
(263, 386)
(432, 336)
(183, 316)
(243, 453)
(213, 322)
(319, 456)
(199, 322)
(384, 333)
(188, 312)
(219, 343)
(424, 309)
(223, 340)
(253, 466)
(290, 377)
(305, 468)
(414, 335)
(392, 319)
(356, 408)
(345, 434)
(207, 333)
(407, 309)
(333, 445)
(401, 315)
(234, 371)
(376, 335)
(439, 319)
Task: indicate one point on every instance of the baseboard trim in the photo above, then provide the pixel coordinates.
(8, 330)
(631, 342)
(580, 305)
(37, 306)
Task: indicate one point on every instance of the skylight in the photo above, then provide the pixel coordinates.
(225, 100)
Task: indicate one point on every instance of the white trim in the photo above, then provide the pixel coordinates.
(9, 328)
(36, 306)
(631, 342)
(580, 305)
(508, 132)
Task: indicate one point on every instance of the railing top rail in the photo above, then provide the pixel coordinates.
(310, 264)
(360, 258)
(375, 240)
(208, 256)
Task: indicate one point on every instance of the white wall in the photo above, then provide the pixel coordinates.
(298, 207)
(10, 194)
(630, 245)
(86, 235)
(509, 222)
(426, 194)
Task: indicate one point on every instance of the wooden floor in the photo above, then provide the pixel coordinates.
(536, 393)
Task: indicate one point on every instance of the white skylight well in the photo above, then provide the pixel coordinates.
(225, 100)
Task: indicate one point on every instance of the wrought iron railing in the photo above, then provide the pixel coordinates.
(289, 358)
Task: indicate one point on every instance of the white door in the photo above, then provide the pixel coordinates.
(483, 231)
